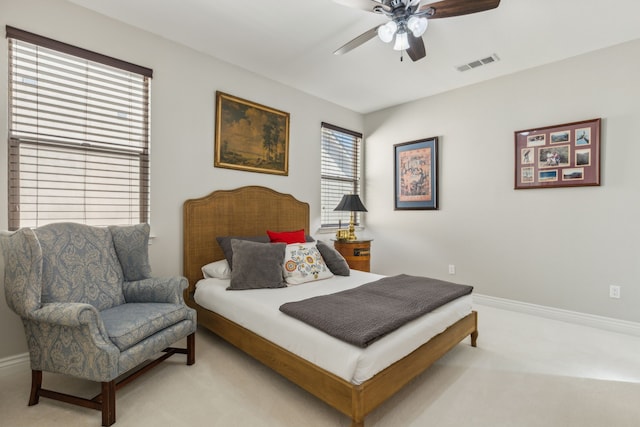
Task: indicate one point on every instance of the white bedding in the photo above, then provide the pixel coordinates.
(258, 311)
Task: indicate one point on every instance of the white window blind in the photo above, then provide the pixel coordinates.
(78, 135)
(340, 170)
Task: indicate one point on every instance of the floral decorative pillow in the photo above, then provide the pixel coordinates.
(303, 263)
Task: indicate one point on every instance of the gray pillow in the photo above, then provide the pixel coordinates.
(334, 259)
(257, 265)
(225, 244)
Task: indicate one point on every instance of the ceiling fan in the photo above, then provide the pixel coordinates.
(408, 21)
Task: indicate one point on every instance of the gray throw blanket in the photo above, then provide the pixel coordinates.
(364, 314)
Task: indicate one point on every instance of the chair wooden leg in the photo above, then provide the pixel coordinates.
(191, 349)
(108, 403)
(36, 385)
(106, 400)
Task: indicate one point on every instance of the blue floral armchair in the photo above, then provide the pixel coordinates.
(90, 307)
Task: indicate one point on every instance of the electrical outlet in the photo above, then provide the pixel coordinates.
(614, 291)
(452, 269)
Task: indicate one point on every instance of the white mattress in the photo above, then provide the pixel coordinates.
(258, 311)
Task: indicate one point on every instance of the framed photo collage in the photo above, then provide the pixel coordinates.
(565, 155)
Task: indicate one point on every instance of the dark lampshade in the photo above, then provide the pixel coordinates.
(352, 203)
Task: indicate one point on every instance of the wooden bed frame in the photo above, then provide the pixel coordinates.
(250, 211)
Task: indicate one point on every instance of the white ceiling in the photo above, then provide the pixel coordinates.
(292, 41)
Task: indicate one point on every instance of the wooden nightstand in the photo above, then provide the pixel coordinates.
(356, 252)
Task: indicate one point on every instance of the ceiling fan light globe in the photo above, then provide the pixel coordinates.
(402, 41)
(417, 25)
(386, 31)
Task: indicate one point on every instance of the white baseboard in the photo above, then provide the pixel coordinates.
(601, 322)
(14, 360)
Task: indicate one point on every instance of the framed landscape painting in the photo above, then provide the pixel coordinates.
(250, 136)
(565, 155)
(416, 174)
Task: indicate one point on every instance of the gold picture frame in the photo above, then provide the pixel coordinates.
(250, 137)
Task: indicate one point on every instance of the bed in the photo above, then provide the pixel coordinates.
(249, 211)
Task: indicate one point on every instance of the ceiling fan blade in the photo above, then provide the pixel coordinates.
(368, 5)
(361, 39)
(449, 8)
(416, 49)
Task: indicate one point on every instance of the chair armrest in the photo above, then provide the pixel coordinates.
(70, 338)
(65, 314)
(167, 290)
(72, 315)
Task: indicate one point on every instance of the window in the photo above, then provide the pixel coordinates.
(340, 172)
(78, 135)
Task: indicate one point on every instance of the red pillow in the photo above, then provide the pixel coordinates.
(287, 237)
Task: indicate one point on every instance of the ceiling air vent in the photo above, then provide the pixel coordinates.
(478, 63)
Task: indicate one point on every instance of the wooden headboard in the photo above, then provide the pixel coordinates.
(245, 211)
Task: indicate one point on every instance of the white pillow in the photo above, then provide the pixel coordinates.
(303, 263)
(217, 270)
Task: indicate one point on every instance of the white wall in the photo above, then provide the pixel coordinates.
(182, 125)
(559, 247)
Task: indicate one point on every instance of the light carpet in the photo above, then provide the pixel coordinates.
(526, 372)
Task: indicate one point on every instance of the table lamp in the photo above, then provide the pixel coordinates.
(351, 203)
